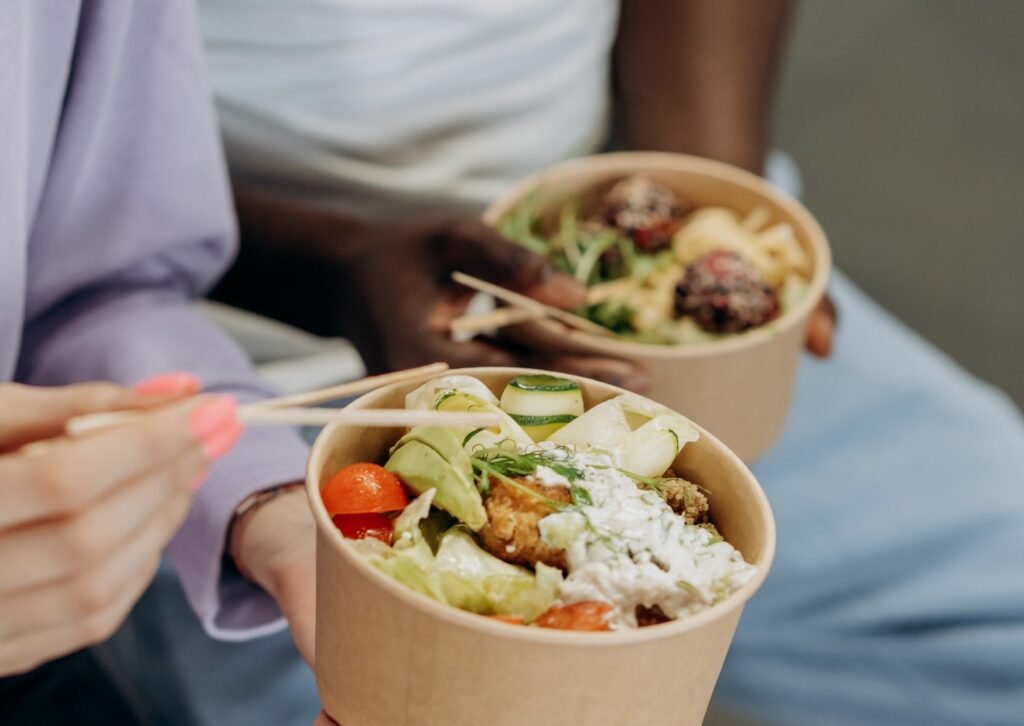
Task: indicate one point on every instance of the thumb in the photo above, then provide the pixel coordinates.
(478, 250)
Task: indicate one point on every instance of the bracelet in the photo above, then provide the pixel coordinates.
(249, 505)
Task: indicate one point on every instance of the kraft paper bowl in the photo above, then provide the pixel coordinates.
(739, 387)
(388, 656)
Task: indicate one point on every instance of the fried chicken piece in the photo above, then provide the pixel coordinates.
(650, 616)
(685, 498)
(511, 532)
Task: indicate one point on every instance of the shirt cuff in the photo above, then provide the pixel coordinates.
(230, 607)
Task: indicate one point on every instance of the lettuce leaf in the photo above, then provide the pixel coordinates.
(461, 574)
(475, 580)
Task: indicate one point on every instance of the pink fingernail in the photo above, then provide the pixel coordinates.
(175, 383)
(213, 415)
(222, 442)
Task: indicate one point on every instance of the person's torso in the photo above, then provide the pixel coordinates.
(402, 107)
(36, 42)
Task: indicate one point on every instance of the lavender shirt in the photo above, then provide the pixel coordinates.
(114, 216)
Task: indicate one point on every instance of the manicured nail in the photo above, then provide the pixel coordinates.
(175, 383)
(212, 416)
(222, 442)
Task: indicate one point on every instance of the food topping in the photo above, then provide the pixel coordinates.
(646, 210)
(685, 498)
(513, 512)
(360, 488)
(659, 271)
(359, 526)
(725, 294)
(588, 529)
(432, 457)
(592, 616)
(541, 403)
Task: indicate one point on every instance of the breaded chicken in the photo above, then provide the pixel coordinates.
(511, 532)
(685, 498)
(653, 615)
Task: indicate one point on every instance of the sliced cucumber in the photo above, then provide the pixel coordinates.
(542, 403)
(539, 428)
(460, 401)
(544, 382)
(604, 426)
(653, 447)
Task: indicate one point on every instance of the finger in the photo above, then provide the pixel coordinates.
(73, 472)
(26, 651)
(89, 591)
(478, 250)
(821, 328)
(33, 413)
(469, 354)
(324, 720)
(59, 548)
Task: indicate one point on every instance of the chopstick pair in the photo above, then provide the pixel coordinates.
(290, 410)
(524, 309)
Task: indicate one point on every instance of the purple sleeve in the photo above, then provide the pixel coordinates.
(133, 224)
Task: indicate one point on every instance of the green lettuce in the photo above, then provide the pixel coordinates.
(461, 573)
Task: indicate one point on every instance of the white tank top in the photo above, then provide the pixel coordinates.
(394, 108)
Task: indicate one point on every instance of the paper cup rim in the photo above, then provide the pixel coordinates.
(455, 616)
(638, 161)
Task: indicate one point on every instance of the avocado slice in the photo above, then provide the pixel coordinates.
(420, 468)
(445, 440)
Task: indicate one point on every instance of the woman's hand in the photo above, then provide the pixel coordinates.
(83, 521)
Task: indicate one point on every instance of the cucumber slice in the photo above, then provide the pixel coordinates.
(461, 401)
(653, 447)
(604, 426)
(539, 428)
(542, 403)
(543, 382)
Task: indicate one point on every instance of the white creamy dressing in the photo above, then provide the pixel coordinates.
(629, 548)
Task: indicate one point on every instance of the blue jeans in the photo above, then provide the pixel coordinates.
(897, 594)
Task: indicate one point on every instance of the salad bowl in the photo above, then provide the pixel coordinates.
(739, 386)
(387, 655)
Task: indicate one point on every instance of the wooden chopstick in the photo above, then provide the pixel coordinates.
(291, 409)
(499, 318)
(252, 414)
(377, 417)
(528, 303)
(351, 388)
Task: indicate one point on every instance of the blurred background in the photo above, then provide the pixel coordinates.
(905, 117)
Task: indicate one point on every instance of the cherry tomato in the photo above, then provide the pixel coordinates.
(510, 619)
(577, 616)
(360, 526)
(361, 488)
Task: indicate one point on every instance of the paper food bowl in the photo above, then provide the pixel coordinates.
(389, 656)
(739, 387)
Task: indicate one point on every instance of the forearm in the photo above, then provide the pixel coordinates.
(290, 262)
(697, 77)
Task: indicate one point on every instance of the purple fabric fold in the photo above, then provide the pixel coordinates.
(115, 215)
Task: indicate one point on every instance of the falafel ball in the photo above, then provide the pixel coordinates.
(685, 498)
